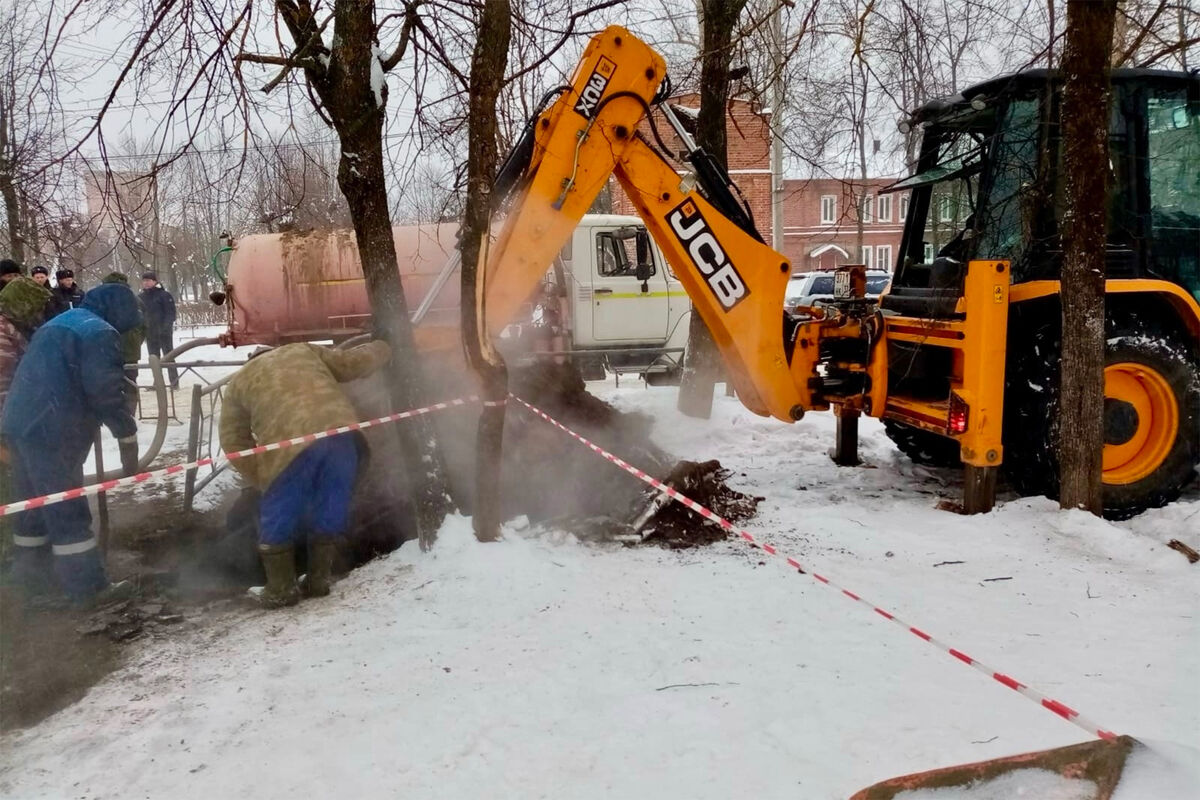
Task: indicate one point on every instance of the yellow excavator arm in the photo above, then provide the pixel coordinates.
(590, 133)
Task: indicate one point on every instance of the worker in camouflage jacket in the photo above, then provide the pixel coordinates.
(22, 304)
(69, 382)
(281, 394)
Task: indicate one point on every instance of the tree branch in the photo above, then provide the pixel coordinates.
(410, 21)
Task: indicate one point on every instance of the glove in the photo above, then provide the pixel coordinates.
(129, 455)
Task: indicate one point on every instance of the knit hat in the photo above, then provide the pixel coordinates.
(149, 276)
(23, 300)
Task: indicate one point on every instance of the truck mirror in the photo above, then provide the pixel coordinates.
(645, 263)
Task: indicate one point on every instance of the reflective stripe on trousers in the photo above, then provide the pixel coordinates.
(74, 548)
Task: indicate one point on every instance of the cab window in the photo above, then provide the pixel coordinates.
(1173, 151)
(619, 251)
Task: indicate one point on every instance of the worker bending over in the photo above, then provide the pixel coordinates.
(282, 394)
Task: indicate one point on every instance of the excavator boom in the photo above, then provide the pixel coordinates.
(591, 133)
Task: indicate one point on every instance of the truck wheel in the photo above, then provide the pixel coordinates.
(1151, 426)
(923, 447)
(1151, 417)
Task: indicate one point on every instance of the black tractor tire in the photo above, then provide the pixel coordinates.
(923, 447)
(1032, 403)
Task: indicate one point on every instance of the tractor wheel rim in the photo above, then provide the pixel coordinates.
(1157, 425)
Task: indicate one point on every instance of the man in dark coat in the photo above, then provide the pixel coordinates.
(65, 295)
(159, 307)
(69, 381)
(9, 270)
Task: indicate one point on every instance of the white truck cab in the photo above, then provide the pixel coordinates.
(620, 307)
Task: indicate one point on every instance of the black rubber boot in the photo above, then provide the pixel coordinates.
(321, 553)
(279, 562)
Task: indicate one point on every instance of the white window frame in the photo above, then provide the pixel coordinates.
(945, 208)
(927, 253)
(883, 257)
(868, 207)
(884, 208)
(830, 201)
(903, 208)
(867, 254)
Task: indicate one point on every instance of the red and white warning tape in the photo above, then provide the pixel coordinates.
(176, 469)
(1061, 709)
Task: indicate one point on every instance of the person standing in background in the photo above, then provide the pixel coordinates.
(9, 270)
(65, 295)
(159, 308)
(41, 275)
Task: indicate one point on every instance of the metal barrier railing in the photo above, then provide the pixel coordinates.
(202, 438)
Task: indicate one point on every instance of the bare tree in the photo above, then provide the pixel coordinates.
(1086, 99)
(487, 78)
(30, 131)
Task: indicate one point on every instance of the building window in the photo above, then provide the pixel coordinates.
(904, 208)
(945, 209)
(868, 204)
(883, 257)
(867, 252)
(885, 208)
(828, 209)
(928, 253)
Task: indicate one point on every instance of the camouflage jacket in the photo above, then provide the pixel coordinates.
(289, 392)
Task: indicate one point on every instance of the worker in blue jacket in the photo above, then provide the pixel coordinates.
(70, 380)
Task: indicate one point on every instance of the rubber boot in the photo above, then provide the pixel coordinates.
(279, 562)
(321, 553)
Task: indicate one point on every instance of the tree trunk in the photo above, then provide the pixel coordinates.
(487, 77)
(8, 191)
(355, 97)
(719, 19)
(1085, 112)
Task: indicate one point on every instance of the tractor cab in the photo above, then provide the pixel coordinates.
(987, 185)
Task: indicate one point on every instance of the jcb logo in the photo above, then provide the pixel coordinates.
(593, 90)
(706, 253)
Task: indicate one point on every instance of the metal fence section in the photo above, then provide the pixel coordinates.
(203, 441)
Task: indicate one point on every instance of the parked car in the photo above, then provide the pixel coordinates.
(814, 288)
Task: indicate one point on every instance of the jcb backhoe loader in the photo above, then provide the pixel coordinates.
(960, 357)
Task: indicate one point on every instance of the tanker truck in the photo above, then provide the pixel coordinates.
(609, 301)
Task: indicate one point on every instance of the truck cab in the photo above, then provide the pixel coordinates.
(611, 302)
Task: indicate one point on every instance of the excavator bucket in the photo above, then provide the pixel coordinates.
(1092, 768)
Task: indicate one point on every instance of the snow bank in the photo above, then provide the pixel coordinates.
(542, 667)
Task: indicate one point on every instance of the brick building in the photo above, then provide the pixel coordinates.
(820, 216)
(748, 149)
(820, 223)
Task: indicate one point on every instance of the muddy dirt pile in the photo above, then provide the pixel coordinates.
(676, 525)
(557, 482)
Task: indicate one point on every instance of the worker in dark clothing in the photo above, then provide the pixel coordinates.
(69, 381)
(65, 295)
(159, 307)
(9, 270)
(41, 276)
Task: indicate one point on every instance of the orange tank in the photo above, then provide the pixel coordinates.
(291, 287)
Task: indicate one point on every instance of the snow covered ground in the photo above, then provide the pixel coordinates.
(542, 667)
